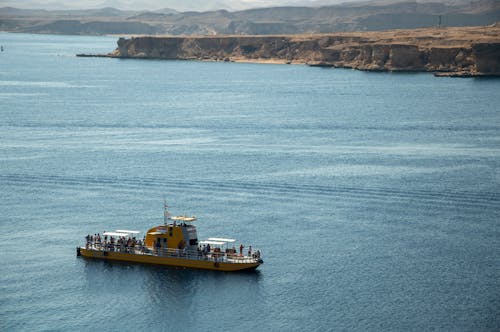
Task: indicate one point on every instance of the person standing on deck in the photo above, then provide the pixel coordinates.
(158, 246)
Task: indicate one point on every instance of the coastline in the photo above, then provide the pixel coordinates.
(455, 52)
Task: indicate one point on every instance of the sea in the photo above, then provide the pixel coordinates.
(374, 198)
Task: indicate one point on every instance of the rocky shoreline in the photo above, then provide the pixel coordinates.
(466, 52)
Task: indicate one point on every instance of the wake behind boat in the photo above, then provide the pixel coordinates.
(175, 243)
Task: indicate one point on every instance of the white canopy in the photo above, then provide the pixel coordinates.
(217, 243)
(183, 218)
(221, 239)
(115, 234)
(127, 231)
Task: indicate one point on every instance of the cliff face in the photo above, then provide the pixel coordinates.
(459, 51)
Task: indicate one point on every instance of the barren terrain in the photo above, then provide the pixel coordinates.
(467, 51)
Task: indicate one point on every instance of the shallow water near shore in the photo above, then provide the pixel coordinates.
(374, 197)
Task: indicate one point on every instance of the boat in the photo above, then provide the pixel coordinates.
(174, 244)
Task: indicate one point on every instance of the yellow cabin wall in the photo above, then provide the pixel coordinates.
(173, 240)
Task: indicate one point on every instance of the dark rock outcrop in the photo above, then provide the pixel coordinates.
(487, 57)
(472, 51)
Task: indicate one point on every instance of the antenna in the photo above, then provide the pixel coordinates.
(166, 214)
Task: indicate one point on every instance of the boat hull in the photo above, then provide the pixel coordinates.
(167, 261)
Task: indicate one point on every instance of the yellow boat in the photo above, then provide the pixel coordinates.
(175, 243)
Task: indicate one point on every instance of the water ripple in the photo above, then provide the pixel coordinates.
(466, 198)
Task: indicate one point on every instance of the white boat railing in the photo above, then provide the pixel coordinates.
(211, 256)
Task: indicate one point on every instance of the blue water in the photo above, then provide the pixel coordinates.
(374, 197)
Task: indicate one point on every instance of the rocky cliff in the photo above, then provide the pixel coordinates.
(471, 51)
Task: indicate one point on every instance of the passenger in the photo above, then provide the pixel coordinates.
(98, 241)
(241, 249)
(158, 246)
(250, 251)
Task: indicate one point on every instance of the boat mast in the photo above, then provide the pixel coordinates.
(166, 214)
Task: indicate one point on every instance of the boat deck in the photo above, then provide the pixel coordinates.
(216, 257)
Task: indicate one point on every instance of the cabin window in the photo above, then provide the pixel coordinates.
(164, 240)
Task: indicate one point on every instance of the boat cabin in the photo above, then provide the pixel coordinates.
(177, 233)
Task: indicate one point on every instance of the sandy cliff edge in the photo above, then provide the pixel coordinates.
(470, 51)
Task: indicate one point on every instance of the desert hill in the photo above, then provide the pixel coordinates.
(367, 16)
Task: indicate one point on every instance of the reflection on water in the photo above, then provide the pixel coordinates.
(164, 291)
